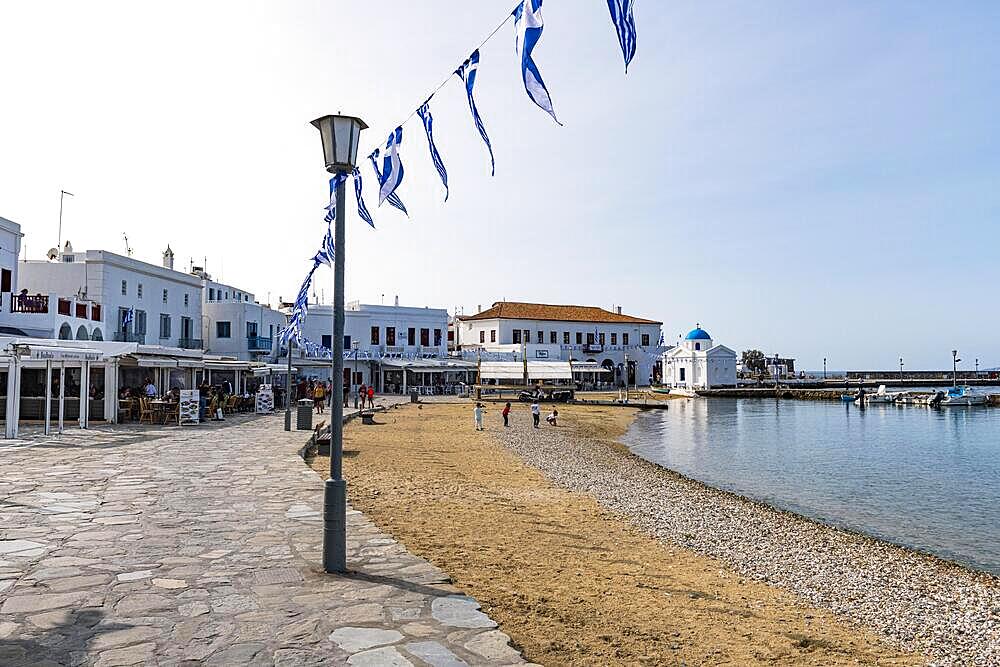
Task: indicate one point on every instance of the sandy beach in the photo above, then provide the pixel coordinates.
(570, 580)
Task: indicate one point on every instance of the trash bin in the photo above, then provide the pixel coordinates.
(304, 415)
(414, 397)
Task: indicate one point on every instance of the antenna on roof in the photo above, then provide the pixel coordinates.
(128, 250)
(62, 193)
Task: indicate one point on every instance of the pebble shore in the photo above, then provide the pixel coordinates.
(917, 602)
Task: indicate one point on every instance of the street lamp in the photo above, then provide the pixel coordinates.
(977, 368)
(954, 367)
(824, 368)
(355, 345)
(340, 135)
(901, 370)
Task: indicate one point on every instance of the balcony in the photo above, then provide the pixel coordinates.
(26, 303)
(129, 337)
(258, 344)
(190, 343)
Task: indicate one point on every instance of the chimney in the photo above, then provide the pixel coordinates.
(397, 301)
(168, 258)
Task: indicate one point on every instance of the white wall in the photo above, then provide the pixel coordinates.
(10, 250)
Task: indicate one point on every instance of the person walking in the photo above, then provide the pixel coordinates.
(536, 412)
(478, 412)
(319, 397)
(506, 415)
(363, 395)
(371, 397)
(347, 394)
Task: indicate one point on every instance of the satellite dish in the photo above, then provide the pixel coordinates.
(52, 253)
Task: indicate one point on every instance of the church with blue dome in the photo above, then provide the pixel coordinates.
(699, 363)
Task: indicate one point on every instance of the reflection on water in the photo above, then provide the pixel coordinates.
(925, 478)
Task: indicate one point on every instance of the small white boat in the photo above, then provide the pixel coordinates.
(880, 396)
(962, 396)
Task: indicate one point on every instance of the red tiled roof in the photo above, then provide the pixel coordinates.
(515, 310)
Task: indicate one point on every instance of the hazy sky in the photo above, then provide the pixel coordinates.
(814, 179)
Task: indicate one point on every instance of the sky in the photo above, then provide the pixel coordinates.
(811, 179)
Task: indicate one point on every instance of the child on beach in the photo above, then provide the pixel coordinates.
(553, 416)
(478, 414)
(536, 412)
(506, 414)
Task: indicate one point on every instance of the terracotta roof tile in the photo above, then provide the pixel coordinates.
(515, 310)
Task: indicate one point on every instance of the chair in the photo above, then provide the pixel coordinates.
(124, 409)
(230, 406)
(145, 411)
(172, 412)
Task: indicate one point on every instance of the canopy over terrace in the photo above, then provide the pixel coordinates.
(43, 354)
(537, 371)
(399, 375)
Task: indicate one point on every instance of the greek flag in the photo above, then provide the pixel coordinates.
(331, 208)
(392, 167)
(621, 16)
(362, 209)
(527, 31)
(661, 339)
(393, 199)
(425, 115)
(467, 72)
(128, 318)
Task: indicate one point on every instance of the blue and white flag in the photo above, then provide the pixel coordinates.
(661, 339)
(393, 199)
(425, 115)
(128, 318)
(362, 209)
(621, 16)
(467, 72)
(527, 31)
(392, 167)
(331, 208)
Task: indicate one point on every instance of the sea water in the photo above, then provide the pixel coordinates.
(925, 478)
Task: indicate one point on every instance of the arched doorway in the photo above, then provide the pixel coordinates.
(65, 333)
(81, 333)
(97, 335)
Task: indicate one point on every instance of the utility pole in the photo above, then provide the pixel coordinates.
(62, 193)
(954, 367)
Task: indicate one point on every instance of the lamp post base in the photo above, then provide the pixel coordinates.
(335, 526)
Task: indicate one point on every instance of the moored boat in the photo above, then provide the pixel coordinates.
(961, 396)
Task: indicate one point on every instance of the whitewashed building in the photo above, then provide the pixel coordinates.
(234, 324)
(10, 251)
(86, 295)
(698, 363)
(612, 340)
(382, 343)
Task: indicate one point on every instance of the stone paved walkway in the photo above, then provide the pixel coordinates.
(201, 545)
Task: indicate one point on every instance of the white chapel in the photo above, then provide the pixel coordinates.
(698, 363)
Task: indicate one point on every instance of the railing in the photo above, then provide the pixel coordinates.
(190, 343)
(258, 344)
(25, 303)
(129, 337)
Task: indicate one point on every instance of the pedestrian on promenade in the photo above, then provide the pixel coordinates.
(363, 394)
(506, 415)
(347, 394)
(553, 416)
(536, 412)
(478, 412)
(329, 394)
(371, 397)
(319, 397)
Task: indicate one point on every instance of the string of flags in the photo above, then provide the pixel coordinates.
(528, 27)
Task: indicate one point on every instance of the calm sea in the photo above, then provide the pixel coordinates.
(924, 478)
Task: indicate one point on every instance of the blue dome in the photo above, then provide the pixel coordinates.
(698, 334)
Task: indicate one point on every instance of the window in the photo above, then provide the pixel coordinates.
(411, 336)
(579, 338)
(140, 322)
(251, 329)
(565, 338)
(517, 336)
(95, 312)
(246, 298)
(482, 336)
(186, 300)
(327, 341)
(541, 337)
(227, 295)
(6, 278)
(624, 339)
(164, 296)
(437, 338)
(164, 325)
(425, 337)
(552, 337)
(211, 294)
(697, 346)
(493, 335)
(347, 342)
(375, 337)
(527, 336)
(223, 330)
(124, 288)
(682, 373)
(390, 335)
(138, 290)
(645, 340)
(590, 339)
(614, 339)
(600, 338)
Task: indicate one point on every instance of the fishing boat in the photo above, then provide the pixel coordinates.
(880, 396)
(962, 396)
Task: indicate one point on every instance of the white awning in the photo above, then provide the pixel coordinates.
(156, 362)
(429, 365)
(589, 367)
(514, 370)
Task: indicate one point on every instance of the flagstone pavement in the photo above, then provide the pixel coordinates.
(202, 545)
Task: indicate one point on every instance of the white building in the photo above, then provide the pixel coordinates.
(698, 363)
(234, 324)
(382, 342)
(86, 295)
(561, 332)
(10, 251)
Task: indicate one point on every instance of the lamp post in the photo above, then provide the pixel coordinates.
(340, 135)
(355, 345)
(954, 367)
(824, 368)
(977, 368)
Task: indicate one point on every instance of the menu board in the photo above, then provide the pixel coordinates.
(190, 411)
(265, 399)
